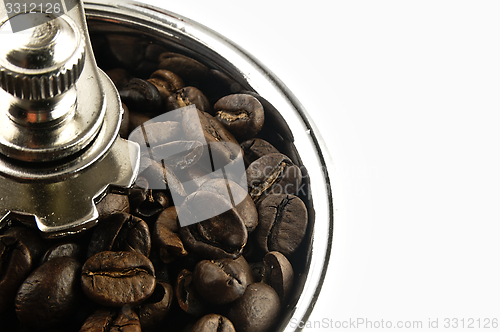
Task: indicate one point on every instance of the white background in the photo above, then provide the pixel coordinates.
(407, 96)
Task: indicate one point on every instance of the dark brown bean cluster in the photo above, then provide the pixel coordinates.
(139, 269)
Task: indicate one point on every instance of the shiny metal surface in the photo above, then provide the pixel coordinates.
(185, 36)
(39, 94)
(32, 59)
(59, 146)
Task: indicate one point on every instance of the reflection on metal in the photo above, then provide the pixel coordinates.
(59, 121)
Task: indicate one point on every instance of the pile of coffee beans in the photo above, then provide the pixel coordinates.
(140, 268)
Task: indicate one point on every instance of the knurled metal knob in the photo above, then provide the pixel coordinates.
(60, 152)
(43, 61)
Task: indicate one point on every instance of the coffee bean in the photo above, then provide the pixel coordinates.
(149, 203)
(140, 96)
(100, 321)
(172, 82)
(193, 177)
(15, 266)
(257, 271)
(257, 310)
(163, 177)
(273, 173)
(111, 204)
(191, 71)
(50, 294)
(274, 119)
(238, 197)
(222, 281)
(162, 89)
(126, 321)
(255, 148)
(118, 278)
(153, 312)
(165, 238)
(188, 96)
(157, 133)
(241, 114)
(31, 239)
(119, 76)
(117, 43)
(282, 223)
(120, 232)
(125, 124)
(136, 119)
(187, 297)
(65, 249)
(179, 154)
(224, 147)
(222, 235)
(213, 323)
(278, 273)
(103, 320)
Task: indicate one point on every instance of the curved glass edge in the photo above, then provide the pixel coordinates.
(308, 141)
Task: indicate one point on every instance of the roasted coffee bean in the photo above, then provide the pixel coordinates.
(257, 310)
(282, 223)
(168, 218)
(218, 85)
(103, 320)
(172, 82)
(126, 321)
(187, 297)
(223, 146)
(136, 119)
(31, 239)
(165, 238)
(157, 133)
(124, 125)
(65, 249)
(278, 273)
(163, 177)
(274, 119)
(213, 323)
(238, 197)
(50, 294)
(111, 204)
(273, 173)
(137, 193)
(222, 235)
(119, 76)
(162, 89)
(155, 202)
(255, 148)
(179, 154)
(118, 278)
(120, 232)
(191, 71)
(140, 96)
(193, 177)
(257, 271)
(153, 312)
(188, 96)
(15, 265)
(134, 47)
(222, 281)
(241, 114)
(100, 321)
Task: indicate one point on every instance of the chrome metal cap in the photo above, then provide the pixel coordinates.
(59, 119)
(41, 62)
